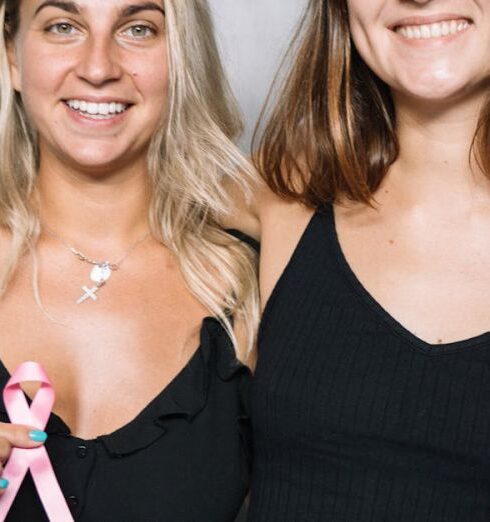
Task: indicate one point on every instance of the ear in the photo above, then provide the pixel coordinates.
(13, 65)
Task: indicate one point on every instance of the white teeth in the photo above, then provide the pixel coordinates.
(437, 30)
(97, 109)
(93, 108)
(425, 30)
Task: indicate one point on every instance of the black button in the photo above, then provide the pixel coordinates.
(73, 501)
(82, 451)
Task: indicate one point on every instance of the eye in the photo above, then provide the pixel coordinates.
(140, 31)
(62, 29)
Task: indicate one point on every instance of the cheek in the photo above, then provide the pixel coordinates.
(152, 81)
(150, 78)
(39, 75)
(37, 97)
(156, 81)
(363, 16)
(370, 40)
(41, 82)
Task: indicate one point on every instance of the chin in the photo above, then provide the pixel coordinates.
(433, 93)
(434, 85)
(98, 155)
(97, 162)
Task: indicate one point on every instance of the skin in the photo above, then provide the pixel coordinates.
(108, 359)
(423, 254)
(423, 251)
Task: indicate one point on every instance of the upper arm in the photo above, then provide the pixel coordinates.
(276, 222)
(247, 211)
(283, 223)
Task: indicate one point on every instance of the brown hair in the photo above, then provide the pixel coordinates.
(332, 132)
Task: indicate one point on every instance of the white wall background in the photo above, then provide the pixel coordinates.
(253, 36)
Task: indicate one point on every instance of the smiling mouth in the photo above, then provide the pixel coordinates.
(97, 111)
(432, 31)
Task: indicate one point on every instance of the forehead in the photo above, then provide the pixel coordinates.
(94, 6)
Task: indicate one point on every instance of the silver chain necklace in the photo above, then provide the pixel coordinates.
(101, 271)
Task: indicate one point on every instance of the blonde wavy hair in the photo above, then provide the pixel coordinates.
(191, 159)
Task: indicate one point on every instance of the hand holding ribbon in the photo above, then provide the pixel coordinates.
(34, 459)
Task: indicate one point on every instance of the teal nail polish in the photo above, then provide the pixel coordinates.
(38, 436)
(3, 483)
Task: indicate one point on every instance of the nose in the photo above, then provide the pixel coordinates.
(99, 63)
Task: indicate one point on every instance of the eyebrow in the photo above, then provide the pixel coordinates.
(72, 7)
(131, 10)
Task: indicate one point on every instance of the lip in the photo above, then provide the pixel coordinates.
(427, 20)
(99, 99)
(84, 120)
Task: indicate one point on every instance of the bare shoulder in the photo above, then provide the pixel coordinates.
(276, 222)
(250, 211)
(283, 223)
(244, 215)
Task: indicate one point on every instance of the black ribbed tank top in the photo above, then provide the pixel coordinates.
(355, 418)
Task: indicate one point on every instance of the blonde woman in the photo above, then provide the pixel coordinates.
(371, 396)
(116, 128)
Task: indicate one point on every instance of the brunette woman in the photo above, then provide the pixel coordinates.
(372, 393)
(116, 128)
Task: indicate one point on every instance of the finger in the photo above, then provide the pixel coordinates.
(4, 483)
(22, 436)
(5, 449)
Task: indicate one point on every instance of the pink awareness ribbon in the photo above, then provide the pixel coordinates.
(34, 459)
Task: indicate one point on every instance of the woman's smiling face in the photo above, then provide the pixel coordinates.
(435, 50)
(93, 76)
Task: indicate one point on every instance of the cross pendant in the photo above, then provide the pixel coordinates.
(90, 293)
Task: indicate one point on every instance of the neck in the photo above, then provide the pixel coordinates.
(87, 210)
(436, 162)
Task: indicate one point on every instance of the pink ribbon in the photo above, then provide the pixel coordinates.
(34, 459)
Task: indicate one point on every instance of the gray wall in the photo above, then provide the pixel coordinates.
(253, 36)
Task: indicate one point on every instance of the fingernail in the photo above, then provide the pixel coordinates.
(3, 483)
(38, 436)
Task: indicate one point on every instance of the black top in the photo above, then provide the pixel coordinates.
(355, 418)
(182, 459)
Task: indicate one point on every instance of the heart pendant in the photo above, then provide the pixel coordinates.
(100, 273)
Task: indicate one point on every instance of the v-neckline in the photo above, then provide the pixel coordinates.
(382, 313)
(56, 424)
